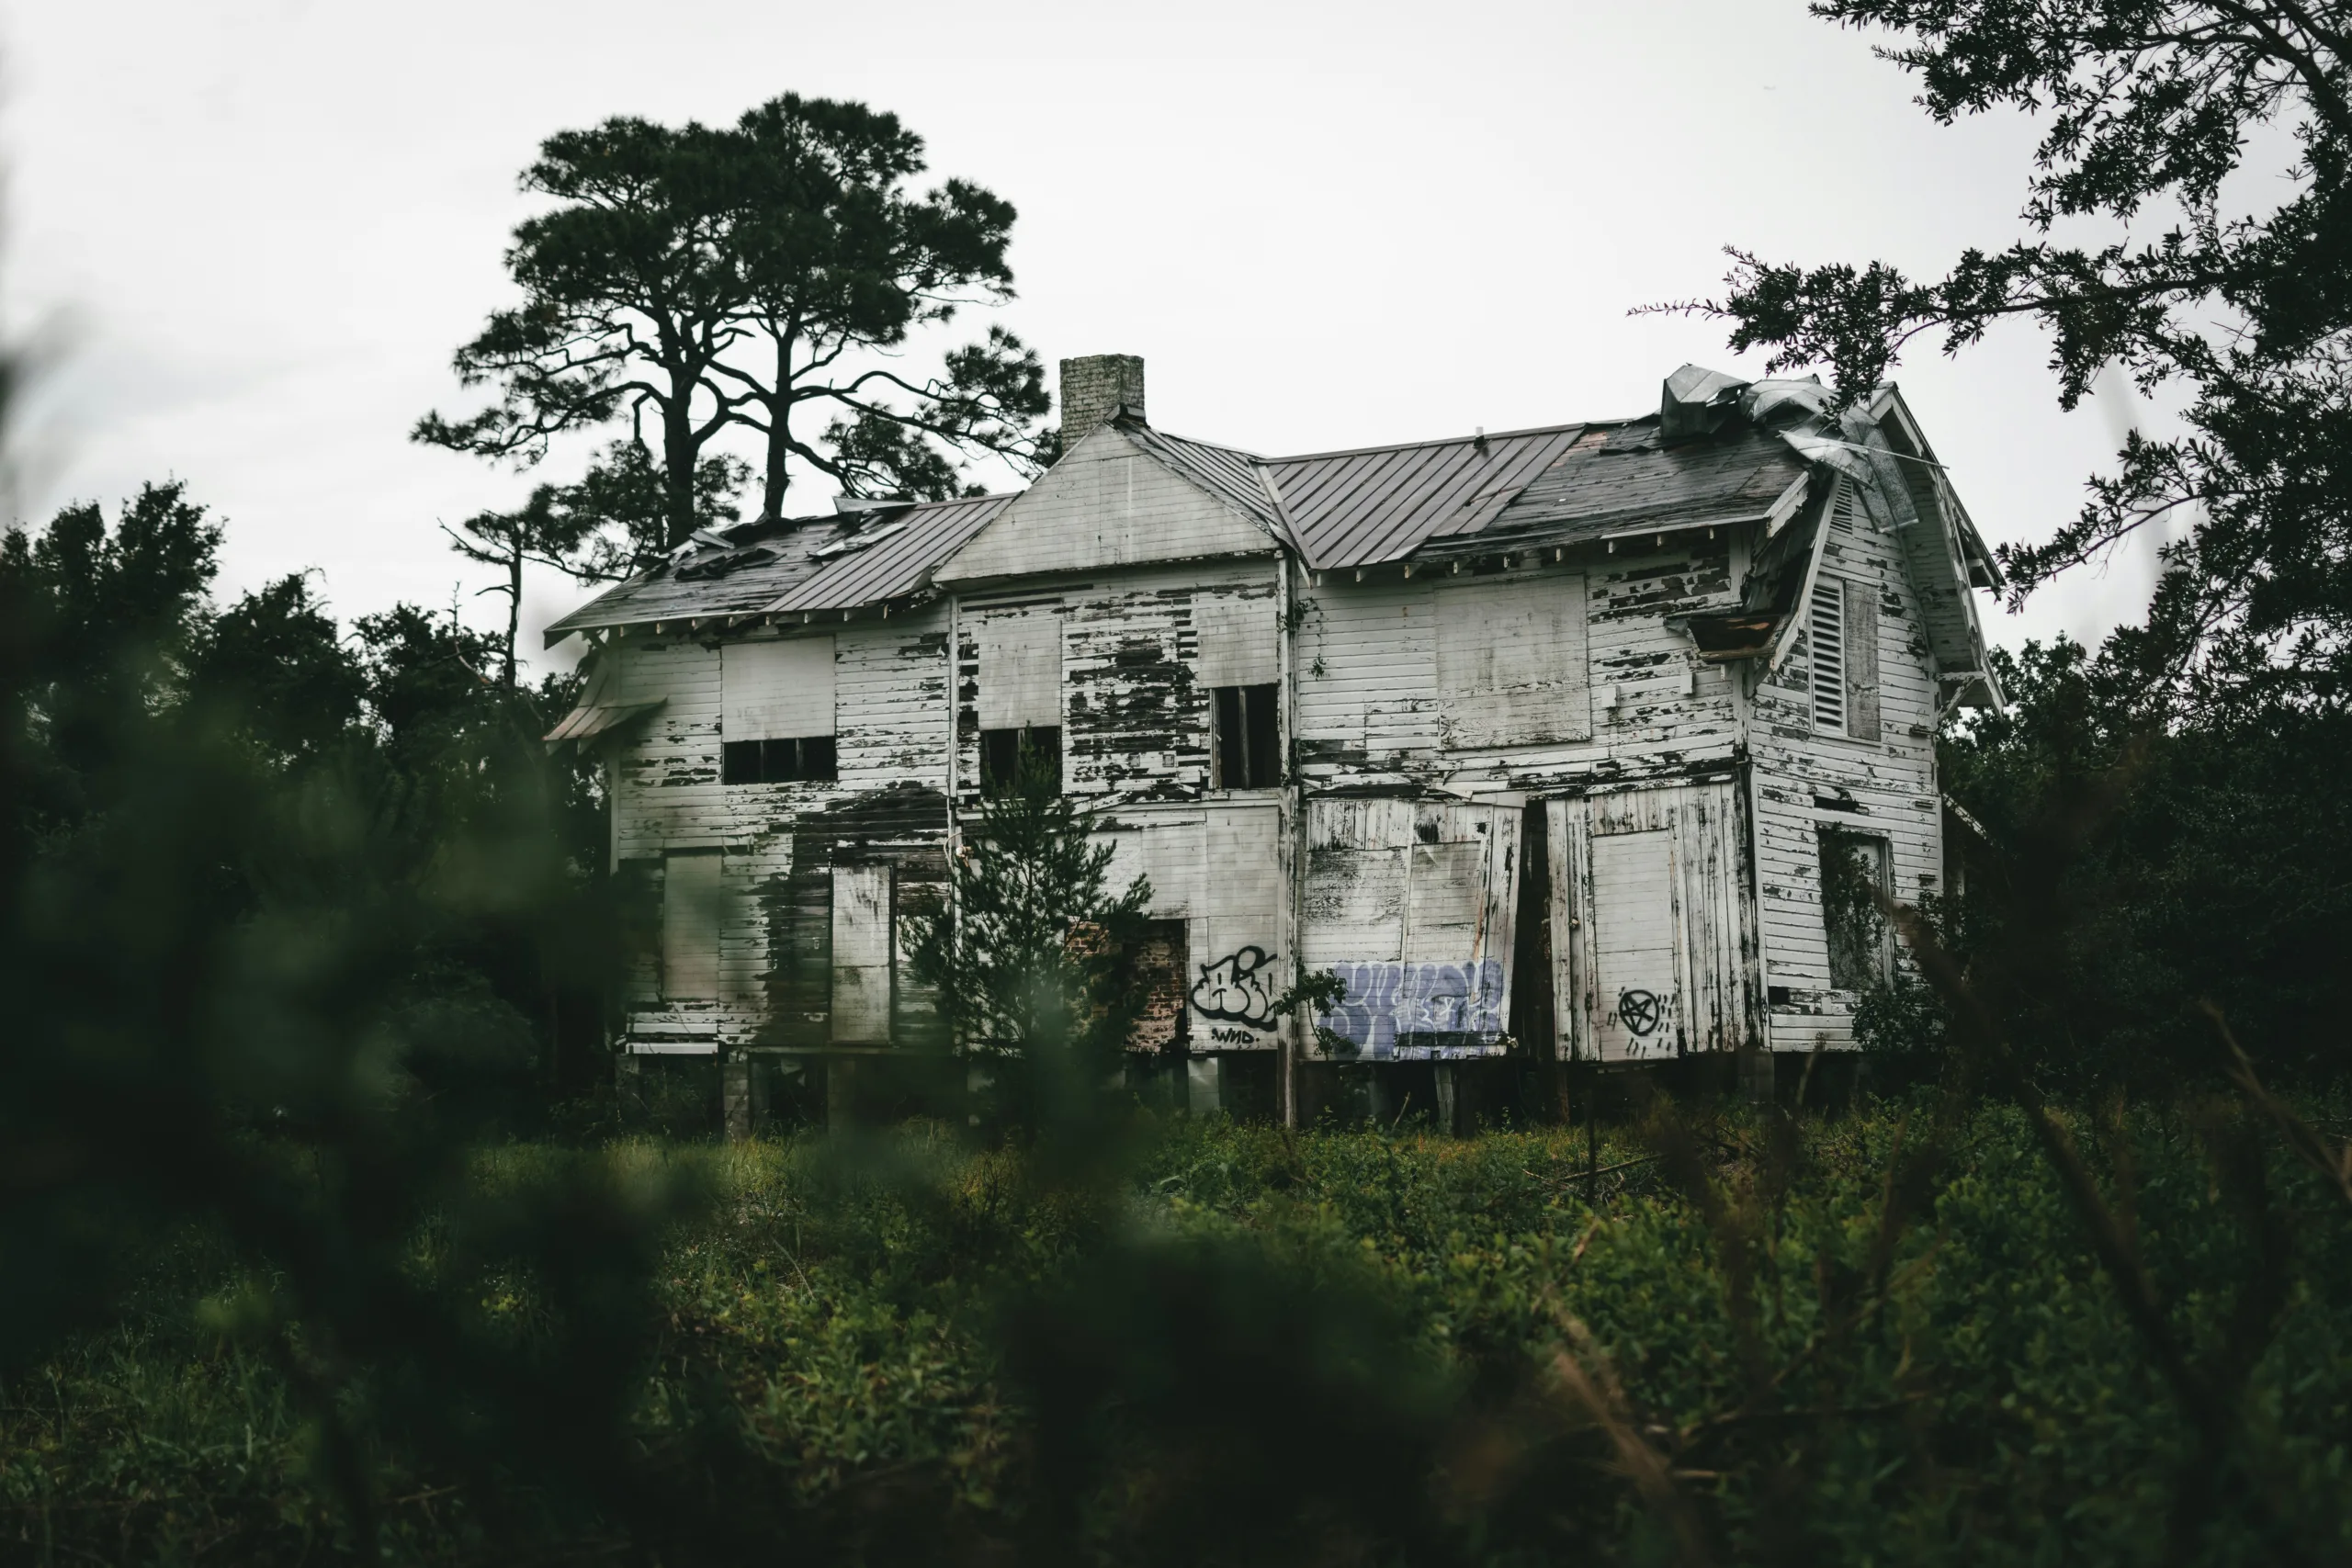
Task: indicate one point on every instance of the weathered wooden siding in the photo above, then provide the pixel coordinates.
(887, 809)
(1133, 709)
(1220, 867)
(1136, 731)
(1372, 716)
(1105, 505)
(1805, 775)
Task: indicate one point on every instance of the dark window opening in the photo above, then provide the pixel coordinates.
(1248, 750)
(803, 759)
(1853, 881)
(1003, 752)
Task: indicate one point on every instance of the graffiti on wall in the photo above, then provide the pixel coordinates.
(1641, 1012)
(1234, 988)
(1418, 1005)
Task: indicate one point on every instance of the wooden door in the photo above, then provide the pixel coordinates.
(1654, 928)
(1637, 982)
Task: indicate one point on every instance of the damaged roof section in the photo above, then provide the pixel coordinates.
(867, 555)
(1625, 477)
(600, 710)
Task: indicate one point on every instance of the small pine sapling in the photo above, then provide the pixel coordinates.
(1031, 956)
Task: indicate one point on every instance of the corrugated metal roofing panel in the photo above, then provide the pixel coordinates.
(795, 565)
(662, 594)
(1338, 509)
(899, 565)
(1380, 503)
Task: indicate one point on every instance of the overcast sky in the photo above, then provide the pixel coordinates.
(252, 233)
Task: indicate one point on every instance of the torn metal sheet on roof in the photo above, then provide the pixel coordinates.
(896, 558)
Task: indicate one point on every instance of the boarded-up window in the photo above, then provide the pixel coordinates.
(1021, 671)
(690, 922)
(1237, 641)
(1826, 646)
(777, 689)
(863, 940)
(1853, 879)
(1410, 906)
(1511, 663)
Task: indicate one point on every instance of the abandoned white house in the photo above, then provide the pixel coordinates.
(1539, 740)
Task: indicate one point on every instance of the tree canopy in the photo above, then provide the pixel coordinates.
(763, 278)
(2147, 108)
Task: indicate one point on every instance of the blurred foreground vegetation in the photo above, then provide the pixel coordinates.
(1760, 1338)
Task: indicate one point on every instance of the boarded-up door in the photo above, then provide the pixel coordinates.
(1411, 905)
(690, 923)
(862, 944)
(1654, 928)
(1636, 980)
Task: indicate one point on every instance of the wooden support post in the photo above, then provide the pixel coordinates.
(840, 1093)
(735, 1095)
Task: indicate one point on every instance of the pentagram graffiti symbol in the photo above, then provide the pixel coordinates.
(1640, 1011)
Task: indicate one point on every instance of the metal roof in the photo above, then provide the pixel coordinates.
(803, 563)
(1620, 476)
(1557, 484)
(1233, 476)
(896, 566)
(1380, 503)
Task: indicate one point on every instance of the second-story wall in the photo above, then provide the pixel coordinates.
(1623, 696)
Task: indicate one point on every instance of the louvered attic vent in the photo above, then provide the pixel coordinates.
(1827, 633)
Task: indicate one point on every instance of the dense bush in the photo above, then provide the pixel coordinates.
(2130, 871)
(1759, 1340)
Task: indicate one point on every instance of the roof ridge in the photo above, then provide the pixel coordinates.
(1456, 440)
(1212, 446)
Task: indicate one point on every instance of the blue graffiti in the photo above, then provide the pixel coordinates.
(1417, 1006)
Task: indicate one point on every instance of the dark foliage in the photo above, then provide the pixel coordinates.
(760, 276)
(2128, 875)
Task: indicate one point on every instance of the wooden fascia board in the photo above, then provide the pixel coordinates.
(1956, 530)
(1801, 607)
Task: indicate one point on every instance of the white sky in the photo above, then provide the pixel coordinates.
(253, 232)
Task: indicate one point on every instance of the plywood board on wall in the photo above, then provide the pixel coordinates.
(1410, 905)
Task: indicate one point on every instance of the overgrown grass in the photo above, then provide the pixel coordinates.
(1818, 1366)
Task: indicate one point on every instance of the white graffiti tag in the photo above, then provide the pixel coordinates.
(1447, 1006)
(1234, 988)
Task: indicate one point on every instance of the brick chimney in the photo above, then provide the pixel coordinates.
(1095, 388)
